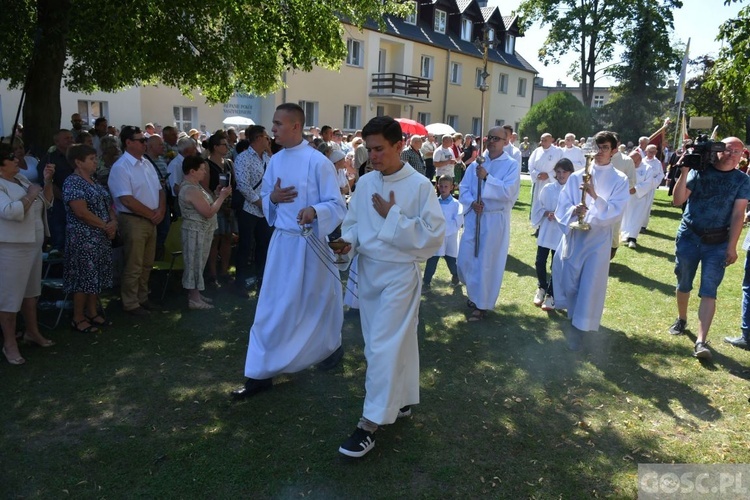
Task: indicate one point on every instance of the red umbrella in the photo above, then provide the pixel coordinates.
(411, 127)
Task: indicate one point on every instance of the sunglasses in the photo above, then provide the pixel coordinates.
(142, 140)
(495, 138)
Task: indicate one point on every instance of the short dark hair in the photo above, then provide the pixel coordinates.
(606, 136)
(508, 128)
(253, 132)
(127, 133)
(168, 128)
(565, 164)
(79, 152)
(445, 178)
(386, 126)
(242, 146)
(216, 139)
(191, 163)
(99, 120)
(325, 128)
(294, 109)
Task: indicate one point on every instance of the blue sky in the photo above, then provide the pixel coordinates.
(698, 20)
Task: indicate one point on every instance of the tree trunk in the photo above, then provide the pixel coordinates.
(42, 110)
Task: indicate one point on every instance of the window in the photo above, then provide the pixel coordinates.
(517, 126)
(91, 110)
(598, 101)
(352, 116)
(440, 20)
(354, 52)
(311, 112)
(476, 126)
(380, 111)
(423, 118)
(522, 87)
(426, 67)
(510, 43)
(499, 123)
(185, 117)
(491, 34)
(453, 121)
(455, 73)
(478, 80)
(412, 18)
(466, 29)
(502, 86)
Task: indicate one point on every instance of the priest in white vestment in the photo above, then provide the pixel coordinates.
(657, 176)
(394, 222)
(573, 152)
(581, 264)
(299, 314)
(501, 182)
(639, 202)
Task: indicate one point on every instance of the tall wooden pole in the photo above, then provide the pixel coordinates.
(484, 45)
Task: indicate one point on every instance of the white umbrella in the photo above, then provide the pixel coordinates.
(239, 121)
(440, 129)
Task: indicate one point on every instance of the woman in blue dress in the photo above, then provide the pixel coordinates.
(91, 225)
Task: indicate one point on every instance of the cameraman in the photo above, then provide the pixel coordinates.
(716, 197)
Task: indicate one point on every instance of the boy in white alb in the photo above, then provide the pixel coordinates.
(394, 222)
(454, 219)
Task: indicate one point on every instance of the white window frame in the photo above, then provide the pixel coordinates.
(522, 87)
(510, 43)
(441, 21)
(499, 123)
(423, 118)
(380, 110)
(181, 122)
(427, 67)
(456, 72)
(502, 85)
(598, 101)
(491, 34)
(311, 112)
(478, 78)
(412, 18)
(466, 30)
(352, 116)
(89, 113)
(452, 120)
(355, 52)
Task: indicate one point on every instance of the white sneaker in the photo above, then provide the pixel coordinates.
(548, 304)
(539, 297)
(631, 244)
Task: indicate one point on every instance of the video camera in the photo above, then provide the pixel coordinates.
(700, 153)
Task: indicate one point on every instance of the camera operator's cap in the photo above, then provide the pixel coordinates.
(193, 131)
(336, 155)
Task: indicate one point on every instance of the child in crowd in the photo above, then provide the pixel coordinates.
(550, 233)
(454, 219)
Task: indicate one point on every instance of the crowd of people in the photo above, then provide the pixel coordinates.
(307, 205)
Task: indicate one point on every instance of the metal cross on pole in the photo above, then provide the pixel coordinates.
(483, 45)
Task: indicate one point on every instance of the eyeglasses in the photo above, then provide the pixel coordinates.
(224, 144)
(736, 152)
(142, 140)
(9, 157)
(495, 138)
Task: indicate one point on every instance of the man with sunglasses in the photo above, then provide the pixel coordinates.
(501, 181)
(141, 204)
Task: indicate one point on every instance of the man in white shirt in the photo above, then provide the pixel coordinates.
(511, 148)
(573, 152)
(141, 205)
(443, 158)
(428, 150)
(185, 147)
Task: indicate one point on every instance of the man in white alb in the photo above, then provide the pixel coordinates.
(542, 166)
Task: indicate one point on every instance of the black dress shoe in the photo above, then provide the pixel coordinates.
(333, 360)
(740, 342)
(252, 387)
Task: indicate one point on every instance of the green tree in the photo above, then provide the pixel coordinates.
(702, 100)
(591, 28)
(641, 99)
(729, 75)
(217, 46)
(557, 114)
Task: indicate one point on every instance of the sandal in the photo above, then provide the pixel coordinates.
(198, 305)
(43, 343)
(103, 321)
(14, 361)
(76, 326)
(470, 304)
(477, 315)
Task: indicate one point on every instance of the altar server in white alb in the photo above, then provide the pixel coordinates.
(640, 201)
(501, 181)
(580, 267)
(300, 312)
(542, 167)
(657, 176)
(394, 222)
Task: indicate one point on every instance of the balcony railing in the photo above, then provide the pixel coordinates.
(398, 84)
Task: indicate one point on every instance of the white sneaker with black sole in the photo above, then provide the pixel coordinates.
(404, 412)
(548, 304)
(358, 444)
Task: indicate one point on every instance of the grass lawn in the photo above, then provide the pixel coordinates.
(142, 410)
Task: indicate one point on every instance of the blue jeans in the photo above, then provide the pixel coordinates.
(746, 298)
(57, 221)
(431, 266)
(690, 252)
